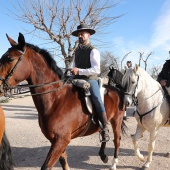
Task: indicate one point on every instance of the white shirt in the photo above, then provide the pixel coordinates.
(95, 64)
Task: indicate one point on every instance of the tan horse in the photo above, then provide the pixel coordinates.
(6, 159)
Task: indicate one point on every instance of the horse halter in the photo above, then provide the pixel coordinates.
(134, 99)
(5, 84)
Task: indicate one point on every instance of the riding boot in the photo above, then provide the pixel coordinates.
(104, 129)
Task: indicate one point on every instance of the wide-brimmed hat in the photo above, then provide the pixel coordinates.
(83, 27)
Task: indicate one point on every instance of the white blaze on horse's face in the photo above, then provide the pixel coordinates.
(130, 84)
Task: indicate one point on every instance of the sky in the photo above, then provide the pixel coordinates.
(144, 28)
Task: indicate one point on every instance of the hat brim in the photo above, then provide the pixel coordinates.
(91, 31)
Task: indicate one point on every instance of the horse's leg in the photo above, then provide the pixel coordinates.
(57, 148)
(63, 161)
(151, 147)
(102, 154)
(135, 138)
(125, 115)
(116, 126)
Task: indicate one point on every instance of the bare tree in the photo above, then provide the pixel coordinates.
(58, 18)
(145, 61)
(140, 57)
(124, 59)
(154, 71)
(107, 59)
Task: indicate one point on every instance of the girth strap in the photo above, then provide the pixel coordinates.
(141, 116)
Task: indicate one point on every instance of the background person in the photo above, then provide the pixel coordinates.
(128, 65)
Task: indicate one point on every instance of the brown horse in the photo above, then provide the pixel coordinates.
(62, 114)
(6, 159)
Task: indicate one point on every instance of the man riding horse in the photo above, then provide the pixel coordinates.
(86, 66)
(164, 80)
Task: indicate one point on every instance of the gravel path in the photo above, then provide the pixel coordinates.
(30, 147)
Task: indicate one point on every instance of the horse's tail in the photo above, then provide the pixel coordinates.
(124, 128)
(6, 158)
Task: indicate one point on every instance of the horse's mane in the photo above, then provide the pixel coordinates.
(48, 58)
(115, 76)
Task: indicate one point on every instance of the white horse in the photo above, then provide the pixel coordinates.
(152, 111)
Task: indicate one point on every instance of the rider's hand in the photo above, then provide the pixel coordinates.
(163, 82)
(75, 71)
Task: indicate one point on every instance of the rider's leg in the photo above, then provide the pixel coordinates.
(100, 109)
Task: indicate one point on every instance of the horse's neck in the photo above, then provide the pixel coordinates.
(45, 96)
(150, 91)
(41, 73)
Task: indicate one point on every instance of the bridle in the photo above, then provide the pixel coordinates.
(5, 84)
(134, 98)
(135, 101)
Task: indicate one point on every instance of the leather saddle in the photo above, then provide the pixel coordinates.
(84, 85)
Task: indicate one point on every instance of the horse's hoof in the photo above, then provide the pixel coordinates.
(105, 160)
(141, 158)
(168, 155)
(146, 166)
(103, 157)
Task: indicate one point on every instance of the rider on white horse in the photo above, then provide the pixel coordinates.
(164, 80)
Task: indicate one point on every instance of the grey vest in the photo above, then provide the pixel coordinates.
(82, 60)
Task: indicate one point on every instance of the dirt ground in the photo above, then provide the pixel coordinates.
(30, 147)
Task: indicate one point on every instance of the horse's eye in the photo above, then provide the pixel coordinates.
(9, 59)
(133, 82)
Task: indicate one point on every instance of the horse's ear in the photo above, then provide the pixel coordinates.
(136, 68)
(21, 41)
(11, 41)
(111, 68)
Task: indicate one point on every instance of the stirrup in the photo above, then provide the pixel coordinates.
(104, 137)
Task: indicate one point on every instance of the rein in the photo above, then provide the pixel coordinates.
(152, 94)
(40, 85)
(7, 86)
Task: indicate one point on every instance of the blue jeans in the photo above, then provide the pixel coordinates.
(96, 97)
